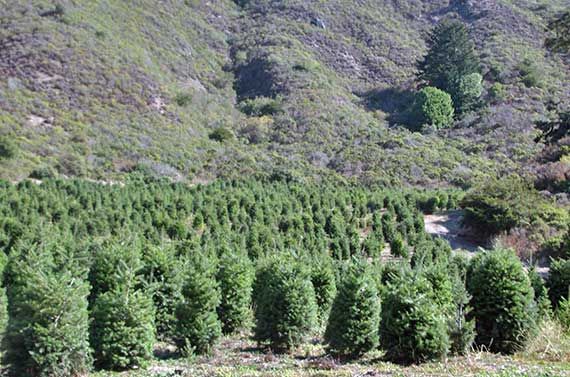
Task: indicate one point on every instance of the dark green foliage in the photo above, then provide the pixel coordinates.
(502, 204)
(183, 99)
(197, 323)
(541, 298)
(531, 74)
(352, 328)
(324, 284)
(106, 259)
(164, 279)
(235, 276)
(434, 107)
(123, 333)
(451, 57)
(285, 304)
(221, 134)
(502, 301)
(8, 147)
(558, 282)
(461, 330)
(123, 319)
(48, 323)
(398, 248)
(560, 27)
(413, 328)
(261, 106)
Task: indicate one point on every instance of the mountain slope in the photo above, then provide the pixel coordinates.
(306, 87)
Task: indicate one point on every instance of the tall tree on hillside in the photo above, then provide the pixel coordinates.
(450, 59)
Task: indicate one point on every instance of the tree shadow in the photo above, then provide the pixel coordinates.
(396, 102)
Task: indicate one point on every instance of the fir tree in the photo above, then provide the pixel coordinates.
(451, 57)
(352, 329)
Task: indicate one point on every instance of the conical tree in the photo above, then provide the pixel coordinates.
(413, 326)
(197, 323)
(235, 276)
(352, 329)
(502, 300)
(324, 284)
(450, 59)
(123, 330)
(285, 305)
(48, 324)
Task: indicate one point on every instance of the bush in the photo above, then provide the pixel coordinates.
(197, 326)
(8, 148)
(43, 288)
(412, 326)
(558, 282)
(531, 74)
(235, 276)
(183, 99)
(434, 107)
(502, 300)
(353, 324)
(261, 106)
(221, 134)
(285, 305)
(497, 92)
(469, 91)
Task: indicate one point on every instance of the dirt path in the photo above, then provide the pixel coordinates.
(448, 225)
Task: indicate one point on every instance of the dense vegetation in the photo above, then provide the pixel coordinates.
(253, 173)
(95, 274)
(195, 90)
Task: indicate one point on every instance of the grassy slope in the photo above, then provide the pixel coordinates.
(98, 74)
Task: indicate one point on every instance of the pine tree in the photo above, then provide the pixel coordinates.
(48, 324)
(123, 326)
(450, 58)
(324, 284)
(352, 329)
(413, 327)
(285, 304)
(235, 276)
(164, 279)
(197, 323)
(502, 300)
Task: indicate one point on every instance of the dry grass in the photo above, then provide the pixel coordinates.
(550, 344)
(239, 357)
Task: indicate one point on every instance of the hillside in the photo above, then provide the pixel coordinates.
(308, 88)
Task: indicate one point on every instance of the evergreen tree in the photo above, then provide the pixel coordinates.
(324, 284)
(502, 300)
(451, 57)
(235, 276)
(48, 324)
(123, 326)
(558, 282)
(285, 305)
(197, 323)
(413, 327)
(164, 279)
(352, 329)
